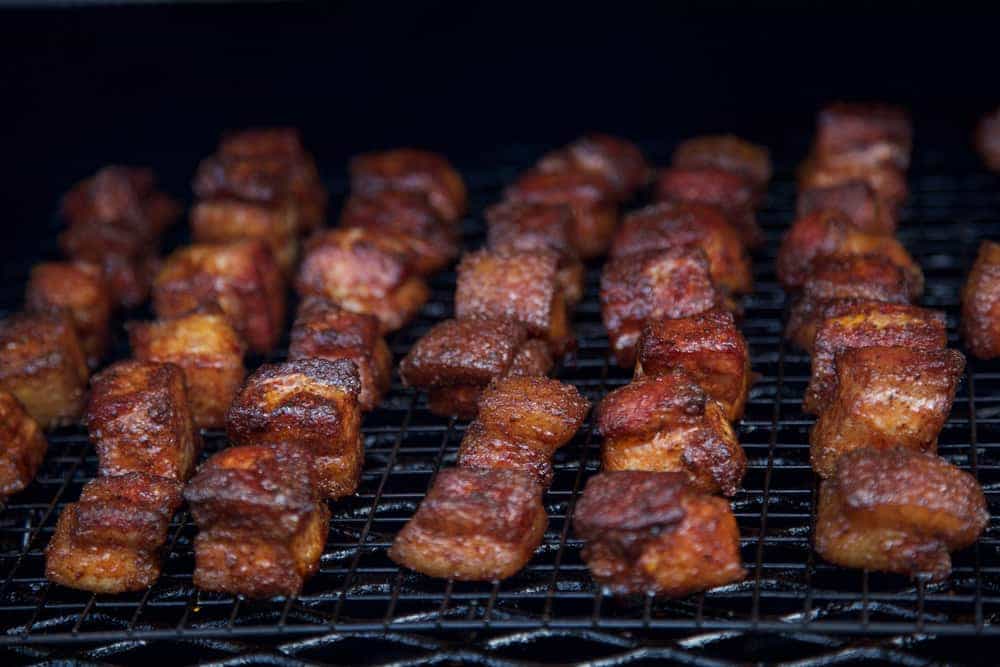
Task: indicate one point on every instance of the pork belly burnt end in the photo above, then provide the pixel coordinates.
(324, 330)
(121, 195)
(652, 285)
(886, 397)
(864, 133)
(241, 279)
(888, 181)
(988, 139)
(312, 403)
(474, 525)
(126, 257)
(854, 199)
(898, 511)
(42, 364)
(981, 303)
(110, 541)
(228, 220)
(650, 532)
(79, 290)
(365, 272)
(619, 162)
(727, 190)
(709, 347)
(209, 351)
(261, 520)
(411, 170)
(22, 446)
(870, 324)
(667, 423)
(728, 152)
(521, 286)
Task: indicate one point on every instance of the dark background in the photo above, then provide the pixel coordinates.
(156, 85)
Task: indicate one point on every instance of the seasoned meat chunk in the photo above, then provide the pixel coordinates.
(124, 196)
(139, 420)
(227, 220)
(864, 133)
(411, 170)
(667, 423)
(22, 446)
(854, 199)
(988, 139)
(981, 303)
(727, 190)
(619, 162)
(898, 510)
(728, 152)
(43, 366)
(312, 403)
(126, 257)
(651, 532)
(474, 525)
(888, 181)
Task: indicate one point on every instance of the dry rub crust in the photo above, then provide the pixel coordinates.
(728, 152)
(650, 532)
(22, 446)
(411, 170)
(864, 133)
(988, 139)
(522, 286)
(121, 195)
(110, 540)
(709, 347)
(312, 403)
(870, 324)
(618, 161)
(79, 290)
(365, 272)
(981, 303)
(324, 330)
(732, 193)
(42, 364)
(126, 257)
(474, 525)
(222, 220)
(667, 423)
(261, 521)
(209, 351)
(898, 511)
(854, 199)
(241, 279)
(139, 420)
(652, 285)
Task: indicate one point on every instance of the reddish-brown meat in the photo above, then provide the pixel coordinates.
(981, 303)
(413, 171)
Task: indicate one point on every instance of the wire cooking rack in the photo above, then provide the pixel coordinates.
(361, 607)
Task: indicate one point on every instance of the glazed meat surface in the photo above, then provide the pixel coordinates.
(126, 257)
(411, 170)
(988, 139)
(729, 191)
(981, 303)
(854, 199)
(864, 133)
(229, 220)
(727, 152)
(619, 162)
(121, 195)
(79, 290)
(22, 446)
(888, 181)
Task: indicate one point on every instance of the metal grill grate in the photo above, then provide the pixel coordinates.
(360, 596)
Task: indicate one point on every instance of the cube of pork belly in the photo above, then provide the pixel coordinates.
(411, 170)
(667, 423)
(312, 403)
(870, 324)
(988, 139)
(42, 364)
(126, 257)
(521, 286)
(619, 162)
(474, 525)
(80, 291)
(121, 195)
(139, 420)
(854, 199)
(110, 540)
(729, 191)
(651, 532)
(864, 133)
(675, 224)
(981, 303)
(898, 511)
(594, 213)
(432, 242)
(365, 272)
(888, 181)
(261, 520)
(486, 449)
(727, 152)
(652, 285)
(324, 330)
(885, 397)
(709, 347)
(225, 220)
(22, 446)
(209, 351)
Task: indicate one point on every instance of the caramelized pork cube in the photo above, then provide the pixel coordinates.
(22, 446)
(209, 351)
(127, 259)
(652, 285)
(110, 541)
(139, 420)
(727, 152)
(121, 195)
(667, 423)
(261, 520)
(619, 162)
(988, 139)
(411, 170)
(806, 316)
(651, 532)
(79, 290)
(474, 525)
(729, 191)
(365, 272)
(981, 303)
(324, 330)
(241, 279)
(709, 347)
(887, 181)
(228, 220)
(674, 224)
(885, 397)
(312, 403)
(898, 511)
(521, 286)
(864, 133)
(43, 366)
(856, 200)
(870, 324)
